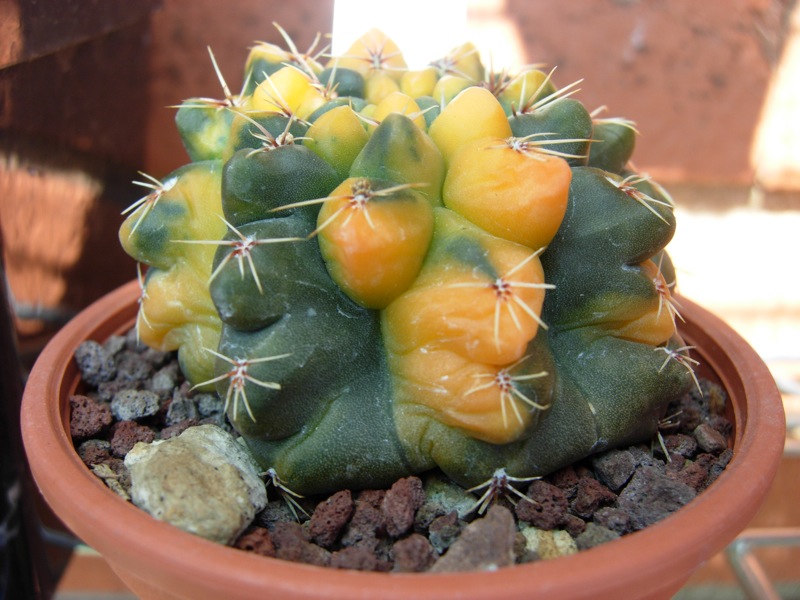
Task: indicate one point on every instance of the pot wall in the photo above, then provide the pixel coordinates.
(159, 561)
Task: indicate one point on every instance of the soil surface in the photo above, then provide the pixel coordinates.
(133, 394)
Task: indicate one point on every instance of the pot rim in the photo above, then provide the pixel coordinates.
(683, 540)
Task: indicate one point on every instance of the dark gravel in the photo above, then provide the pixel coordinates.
(133, 394)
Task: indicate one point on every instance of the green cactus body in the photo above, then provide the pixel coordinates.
(429, 276)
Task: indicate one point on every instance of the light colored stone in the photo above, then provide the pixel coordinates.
(201, 481)
(548, 544)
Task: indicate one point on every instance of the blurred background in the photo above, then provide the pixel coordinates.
(714, 88)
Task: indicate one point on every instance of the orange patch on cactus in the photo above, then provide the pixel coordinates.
(374, 240)
(510, 190)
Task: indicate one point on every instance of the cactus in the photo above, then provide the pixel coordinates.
(384, 271)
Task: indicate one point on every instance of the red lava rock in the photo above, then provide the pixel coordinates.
(368, 521)
(566, 479)
(692, 473)
(547, 507)
(125, 435)
(590, 496)
(444, 530)
(400, 504)
(257, 540)
(574, 524)
(413, 554)
(485, 544)
(681, 444)
(709, 439)
(373, 498)
(330, 517)
(291, 543)
(361, 558)
(88, 417)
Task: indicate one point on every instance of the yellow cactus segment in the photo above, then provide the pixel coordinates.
(654, 324)
(459, 393)
(474, 114)
(374, 236)
(397, 102)
(448, 87)
(176, 311)
(511, 191)
(531, 84)
(190, 324)
(485, 311)
(463, 61)
(373, 52)
(288, 91)
(378, 86)
(419, 83)
(337, 136)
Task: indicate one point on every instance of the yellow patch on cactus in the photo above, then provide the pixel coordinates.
(373, 53)
(530, 84)
(464, 61)
(419, 83)
(448, 87)
(397, 102)
(337, 136)
(474, 114)
(515, 193)
(378, 86)
(288, 91)
(655, 323)
(373, 237)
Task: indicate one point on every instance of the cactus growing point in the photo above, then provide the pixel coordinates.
(383, 271)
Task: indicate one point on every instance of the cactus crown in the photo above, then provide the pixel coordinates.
(383, 270)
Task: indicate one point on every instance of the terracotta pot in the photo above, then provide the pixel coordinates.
(157, 560)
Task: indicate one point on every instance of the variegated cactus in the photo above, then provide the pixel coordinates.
(383, 271)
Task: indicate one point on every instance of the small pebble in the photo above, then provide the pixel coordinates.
(413, 554)
(614, 468)
(709, 439)
(96, 364)
(134, 405)
(486, 544)
(594, 536)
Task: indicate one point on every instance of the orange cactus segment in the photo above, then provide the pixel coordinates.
(485, 312)
(461, 393)
(512, 193)
(373, 236)
(474, 114)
